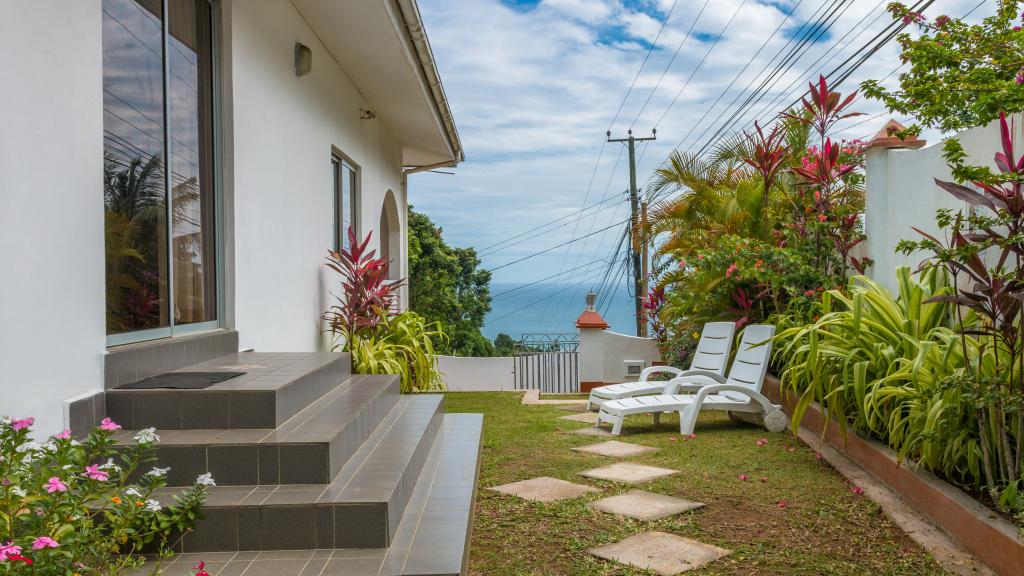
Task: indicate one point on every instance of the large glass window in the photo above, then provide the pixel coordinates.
(158, 145)
(345, 177)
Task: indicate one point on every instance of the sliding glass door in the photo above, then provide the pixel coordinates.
(159, 185)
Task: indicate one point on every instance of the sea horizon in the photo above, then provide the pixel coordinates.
(519, 308)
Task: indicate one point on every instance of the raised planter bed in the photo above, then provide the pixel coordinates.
(981, 531)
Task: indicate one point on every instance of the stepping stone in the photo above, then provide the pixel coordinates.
(660, 552)
(595, 431)
(615, 449)
(645, 506)
(628, 473)
(588, 417)
(544, 489)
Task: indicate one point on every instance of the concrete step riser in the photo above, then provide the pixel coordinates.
(224, 409)
(364, 524)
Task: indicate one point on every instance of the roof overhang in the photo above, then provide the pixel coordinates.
(382, 46)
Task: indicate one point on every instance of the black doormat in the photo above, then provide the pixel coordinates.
(181, 380)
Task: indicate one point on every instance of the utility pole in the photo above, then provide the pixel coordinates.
(644, 259)
(634, 206)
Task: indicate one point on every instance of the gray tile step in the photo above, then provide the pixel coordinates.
(275, 387)
(360, 508)
(434, 534)
(310, 448)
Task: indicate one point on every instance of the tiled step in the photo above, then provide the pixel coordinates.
(433, 536)
(360, 508)
(275, 387)
(310, 448)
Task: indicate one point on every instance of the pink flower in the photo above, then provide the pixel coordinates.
(8, 549)
(1016, 28)
(858, 490)
(1020, 77)
(44, 542)
(743, 477)
(941, 21)
(817, 455)
(108, 424)
(761, 441)
(24, 423)
(95, 473)
(672, 438)
(782, 504)
(692, 437)
(201, 569)
(731, 270)
(55, 485)
(809, 293)
(63, 435)
(764, 478)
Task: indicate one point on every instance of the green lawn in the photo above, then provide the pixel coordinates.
(824, 527)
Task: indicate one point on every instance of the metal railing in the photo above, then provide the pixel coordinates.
(548, 362)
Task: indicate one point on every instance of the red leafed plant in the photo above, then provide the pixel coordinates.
(767, 155)
(367, 295)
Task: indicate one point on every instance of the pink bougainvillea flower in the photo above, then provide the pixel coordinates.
(201, 569)
(692, 437)
(20, 558)
(764, 478)
(64, 435)
(731, 270)
(817, 455)
(23, 423)
(8, 549)
(55, 485)
(672, 438)
(783, 504)
(95, 473)
(44, 542)
(743, 477)
(108, 424)
(858, 490)
(761, 441)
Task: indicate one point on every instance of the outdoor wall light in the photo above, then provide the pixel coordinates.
(303, 59)
(367, 114)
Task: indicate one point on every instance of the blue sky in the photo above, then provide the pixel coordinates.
(534, 85)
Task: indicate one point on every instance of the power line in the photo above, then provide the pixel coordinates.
(545, 251)
(510, 291)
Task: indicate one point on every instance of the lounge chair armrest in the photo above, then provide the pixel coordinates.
(707, 373)
(749, 392)
(655, 369)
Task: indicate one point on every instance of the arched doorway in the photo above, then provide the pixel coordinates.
(391, 236)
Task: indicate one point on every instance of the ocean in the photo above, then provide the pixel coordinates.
(522, 308)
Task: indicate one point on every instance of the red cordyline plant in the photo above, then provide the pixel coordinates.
(367, 294)
(767, 155)
(983, 252)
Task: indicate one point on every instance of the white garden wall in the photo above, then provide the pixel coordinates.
(463, 374)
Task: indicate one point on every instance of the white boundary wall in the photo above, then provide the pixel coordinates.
(464, 374)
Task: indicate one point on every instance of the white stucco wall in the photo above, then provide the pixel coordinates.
(51, 207)
(284, 130)
(463, 374)
(603, 355)
(901, 193)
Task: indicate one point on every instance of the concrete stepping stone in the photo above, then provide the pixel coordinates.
(615, 449)
(544, 489)
(588, 417)
(660, 552)
(645, 506)
(628, 473)
(598, 432)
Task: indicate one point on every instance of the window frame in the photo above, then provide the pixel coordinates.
(340, 161)
(174, 330)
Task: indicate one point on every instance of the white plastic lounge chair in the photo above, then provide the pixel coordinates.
(741, 392)
(711, 356)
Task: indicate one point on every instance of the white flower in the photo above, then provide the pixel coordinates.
(110, 465)
(30, 447)
(153, 506)
(146, 436)
(50, 446)
(133, 492)
(205, 480)
(6, 420)
(74, 442)
(19, 492)
(68, 466)
(157, 472)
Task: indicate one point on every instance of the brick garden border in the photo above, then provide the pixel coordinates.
(988, 536)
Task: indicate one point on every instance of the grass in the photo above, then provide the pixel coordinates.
(824, 528)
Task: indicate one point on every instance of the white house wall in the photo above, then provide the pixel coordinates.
(51, 207)
(284, 130)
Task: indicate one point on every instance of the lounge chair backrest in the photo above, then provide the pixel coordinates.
(751, 362)
(712, 352)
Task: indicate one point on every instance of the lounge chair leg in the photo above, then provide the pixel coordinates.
(657, 418)
(617, 425)
(687, 420)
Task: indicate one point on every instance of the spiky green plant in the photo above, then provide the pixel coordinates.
(404, 345)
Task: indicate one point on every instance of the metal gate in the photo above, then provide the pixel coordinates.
(548, 362)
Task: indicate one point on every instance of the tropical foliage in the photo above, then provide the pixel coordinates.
(365, 323)
(70, 507)
(961, 75)
(761, 226)
(447, 286)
